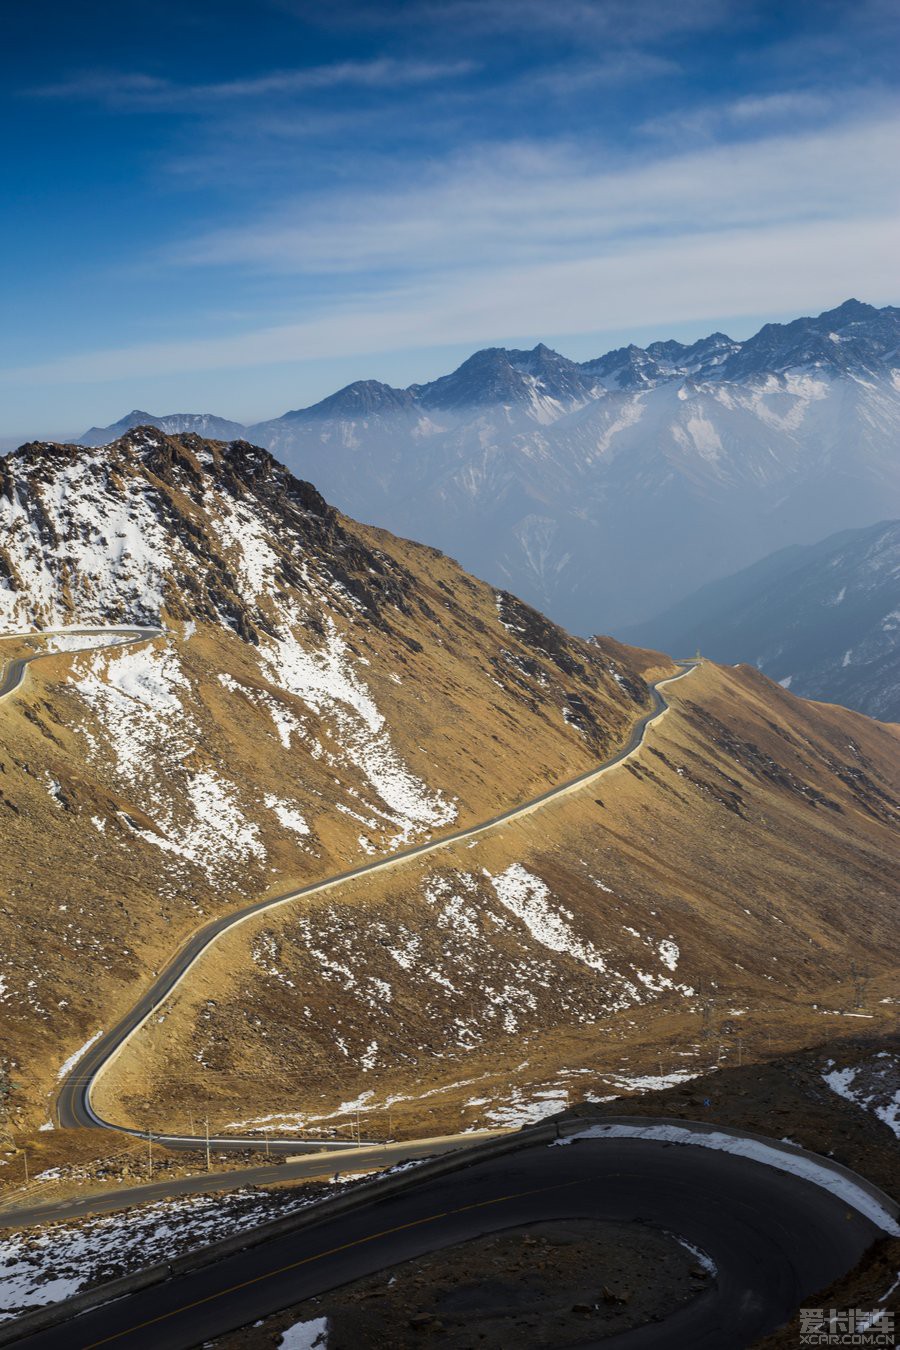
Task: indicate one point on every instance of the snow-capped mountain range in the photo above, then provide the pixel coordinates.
(606, 490)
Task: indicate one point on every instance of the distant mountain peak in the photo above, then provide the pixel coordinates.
(172, 424)
(485, 377)
(510, 377)
(603, 491)
(850, 311)
(362, 398)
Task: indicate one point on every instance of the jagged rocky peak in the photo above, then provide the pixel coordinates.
(154, 525)
(625, 368)
(854, 338)
(556, 376)
(486, 377)
(497, 375)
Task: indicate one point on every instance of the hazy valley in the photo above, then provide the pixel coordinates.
(605, 491)
(823, 620)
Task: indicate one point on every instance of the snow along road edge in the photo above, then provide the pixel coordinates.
(859, 1194)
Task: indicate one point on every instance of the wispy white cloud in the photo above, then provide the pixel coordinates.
(536, 203)
(783, 268)
(788, 225)
(138, 89)
(620, 20)
(759, 113)
(614, 68)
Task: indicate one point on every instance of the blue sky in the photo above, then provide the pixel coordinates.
(239, 207)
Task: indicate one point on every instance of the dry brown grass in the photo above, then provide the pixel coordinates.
(748, 829)
(86, 916)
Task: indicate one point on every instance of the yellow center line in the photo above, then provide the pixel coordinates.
(332, 1251)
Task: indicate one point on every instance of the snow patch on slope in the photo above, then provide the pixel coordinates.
(53, 1263)
(108, 547)
(873, 1086)
(325, 681)
(138, 700)
(305, 1335)
(73, 1059)
(758, 1150)
(529, 898)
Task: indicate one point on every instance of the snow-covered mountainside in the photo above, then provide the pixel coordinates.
(320, 692)
(605, 491)
(823, 620)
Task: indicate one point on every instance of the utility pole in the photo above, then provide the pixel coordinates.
(191, 1116)
(358, 1135)
(149, 1153)
(208, 1168)
(25, 1160)
(266, 1137)
(860, 977)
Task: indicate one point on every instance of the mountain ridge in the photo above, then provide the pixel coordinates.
(323, 693)
(823, 620)
(605, 491)
(773, 349)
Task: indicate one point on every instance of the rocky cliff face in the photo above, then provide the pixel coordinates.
(155, 527)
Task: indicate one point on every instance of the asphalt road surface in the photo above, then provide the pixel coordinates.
(349, 1162)
(14, 671)
(13, 675)
(774, 1239)
(73, 1106)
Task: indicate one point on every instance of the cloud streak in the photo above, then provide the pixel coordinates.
(779, 268)
(578, 20)
(133, 88)
(534, 203)
(368, 178)
(530, 240)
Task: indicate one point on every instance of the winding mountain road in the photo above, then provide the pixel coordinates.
(774, 1239)
(74, 1107)
(14, 672)
(20, 1210)
(73, 1104)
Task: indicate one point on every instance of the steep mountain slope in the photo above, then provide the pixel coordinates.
(321, 692)
(605, 491)
(730, 892)
(822, 620)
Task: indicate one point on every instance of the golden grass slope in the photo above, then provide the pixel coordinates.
(731, 891)
(143, 793)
